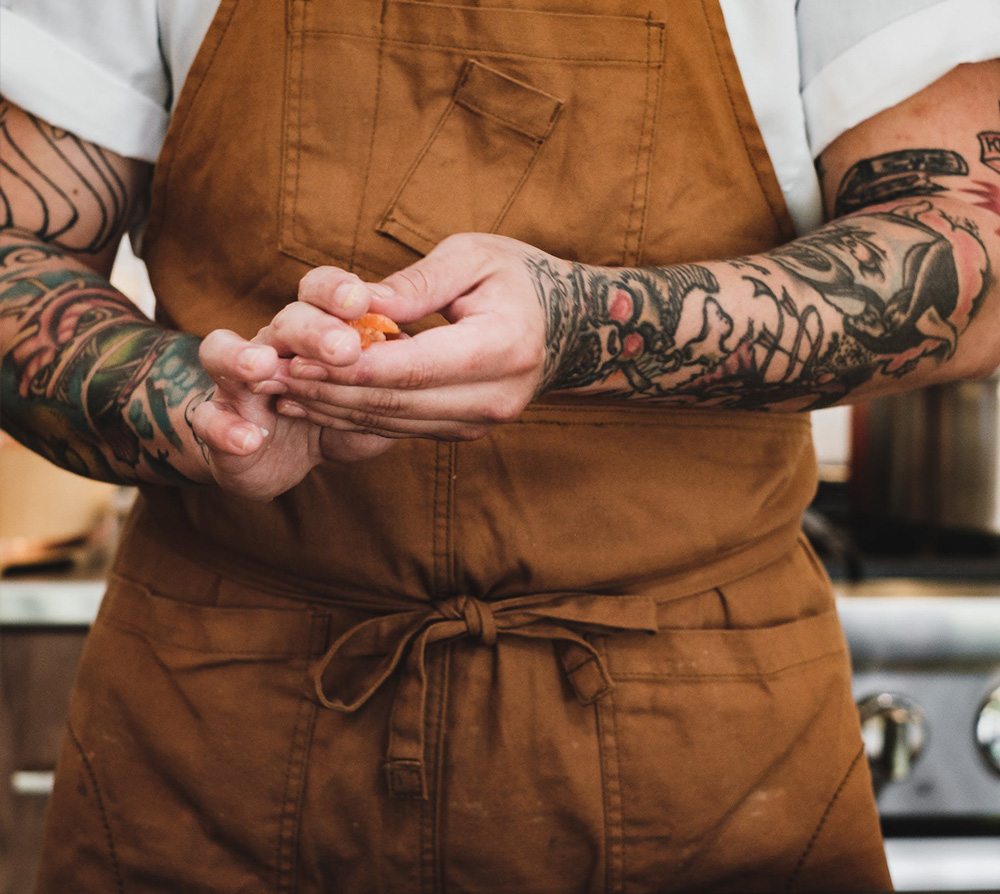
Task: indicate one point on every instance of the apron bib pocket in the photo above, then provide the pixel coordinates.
(406, 122)
(510, 121)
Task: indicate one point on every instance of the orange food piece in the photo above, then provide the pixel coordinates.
(374, 327)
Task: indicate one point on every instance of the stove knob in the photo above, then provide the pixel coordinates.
(894, 731)
(988, 729)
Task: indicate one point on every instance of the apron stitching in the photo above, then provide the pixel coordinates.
(116, 868)
(517, 189)
(823, 819)
(478, 49)
(778, 217)
(430, 868)
(439, 542)
(296, 48)
(439, 764)
(514, 54)
(371, 141)
(389, 213)
(298, 760)
(607, 731)
(656, 73)
(506, 122)
(144, 634)
(634, 230)
(730, 675)
(452, 552)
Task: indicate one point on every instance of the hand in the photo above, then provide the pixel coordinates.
(252, 450)
(450, 382)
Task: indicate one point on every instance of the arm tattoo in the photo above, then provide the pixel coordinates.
(67, 188)
(801, 326)
(87, 381)
(897, 175)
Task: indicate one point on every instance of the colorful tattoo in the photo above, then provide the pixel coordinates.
(87, 381)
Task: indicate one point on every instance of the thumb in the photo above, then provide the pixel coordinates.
(452, 269)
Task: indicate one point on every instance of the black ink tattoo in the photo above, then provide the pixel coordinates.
(68, 188)
(989, 143)
(903, 285)
(897, 175)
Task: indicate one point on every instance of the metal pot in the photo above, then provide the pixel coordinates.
(931, 456)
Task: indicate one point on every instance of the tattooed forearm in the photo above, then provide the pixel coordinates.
(800, 327)
(887, 290)
(86, 380)
(65, 190)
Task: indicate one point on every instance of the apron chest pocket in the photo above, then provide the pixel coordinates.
(406, 122)
(507, 121)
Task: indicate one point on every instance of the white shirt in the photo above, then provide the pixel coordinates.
(110, 71)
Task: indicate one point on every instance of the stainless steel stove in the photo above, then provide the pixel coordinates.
(926, 658)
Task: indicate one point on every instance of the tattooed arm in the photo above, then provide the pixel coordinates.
(90, 383)
(898, 290)
(87, 381)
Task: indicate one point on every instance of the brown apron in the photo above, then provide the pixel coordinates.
(590, 652)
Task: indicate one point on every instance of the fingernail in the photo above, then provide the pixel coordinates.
(332, 342)
(247, 359)
(350, 296)
(242, 436)
(302, 369)
(290, 408)
(380, 290)
(268, 386)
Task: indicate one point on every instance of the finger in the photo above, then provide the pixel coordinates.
(367, 407)
(335, 291)
(226, 431)
(348, 446)
(475, 349)
(454, 267)
(227, 357)
(302, 329)
(394, 429)
(344, 420)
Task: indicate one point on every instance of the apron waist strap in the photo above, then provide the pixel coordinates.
(401, 638)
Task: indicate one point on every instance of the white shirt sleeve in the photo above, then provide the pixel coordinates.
(92, 68)
(860, 57)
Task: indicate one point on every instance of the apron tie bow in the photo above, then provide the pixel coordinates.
(360, 660)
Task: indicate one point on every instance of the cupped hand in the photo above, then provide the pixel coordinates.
(251, 449)
(452, 382)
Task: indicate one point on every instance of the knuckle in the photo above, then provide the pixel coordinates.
(415, 279)
(502, 409)
(471, 433)
(365, 421)
(418, 375)
(385, 401)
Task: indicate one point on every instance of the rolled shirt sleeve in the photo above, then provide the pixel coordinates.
(93, 69)
(860, 57)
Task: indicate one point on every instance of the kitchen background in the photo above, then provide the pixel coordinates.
(907, 520)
